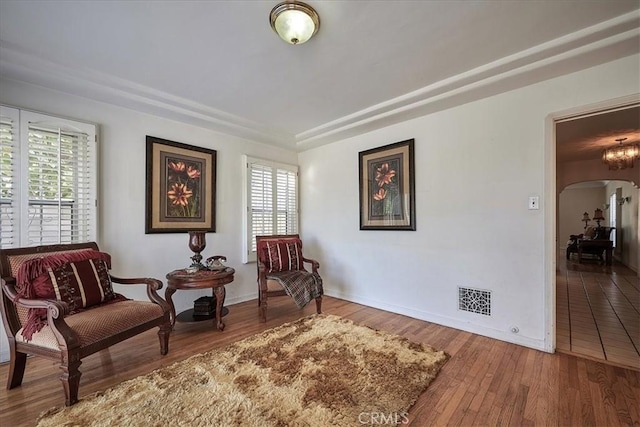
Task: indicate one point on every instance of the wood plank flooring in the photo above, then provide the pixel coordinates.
(486, 382)
(598, 312)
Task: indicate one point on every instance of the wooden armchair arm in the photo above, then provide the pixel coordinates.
(153, 285)
(56, 311)
(315, 265)
(57, 307)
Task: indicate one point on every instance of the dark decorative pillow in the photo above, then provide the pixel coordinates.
(283, 256)
(82, 284)
(35, 268)
(80, 279)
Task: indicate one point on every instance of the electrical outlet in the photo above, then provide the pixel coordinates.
(534, 202)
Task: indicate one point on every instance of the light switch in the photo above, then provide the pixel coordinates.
(534, 202)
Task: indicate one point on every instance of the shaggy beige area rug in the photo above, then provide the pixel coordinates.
(321, 370)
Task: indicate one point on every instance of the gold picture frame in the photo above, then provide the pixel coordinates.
(181, 187)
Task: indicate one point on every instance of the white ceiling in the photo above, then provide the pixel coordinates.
(218, 64)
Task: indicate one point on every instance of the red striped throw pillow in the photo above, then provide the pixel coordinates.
(81, 279)
(82, 283)
(283, 256)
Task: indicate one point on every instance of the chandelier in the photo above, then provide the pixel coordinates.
(621, 156)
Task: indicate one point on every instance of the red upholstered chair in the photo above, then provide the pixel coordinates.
(281, 272)
(63, 308)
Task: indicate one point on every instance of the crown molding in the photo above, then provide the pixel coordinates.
(23, 66)
(604, 42)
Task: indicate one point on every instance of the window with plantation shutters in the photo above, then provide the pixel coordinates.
(49, 180)
(271, 202)
(8, 146)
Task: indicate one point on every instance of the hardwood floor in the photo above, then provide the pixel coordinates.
(486, 382)
(598, 312)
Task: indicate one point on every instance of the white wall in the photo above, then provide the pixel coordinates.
(476, 166)
(574, 201)
(629, 221)
(122, 190)
(572, 204)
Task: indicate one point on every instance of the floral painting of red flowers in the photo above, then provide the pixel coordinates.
(183, 179)
(387, 187)
(181, 182)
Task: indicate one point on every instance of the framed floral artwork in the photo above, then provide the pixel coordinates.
(387, 187)
(181, 187)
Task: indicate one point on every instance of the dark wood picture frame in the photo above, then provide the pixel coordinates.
(387, 187)
(181, 187)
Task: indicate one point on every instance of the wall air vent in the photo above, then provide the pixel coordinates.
(474, 300)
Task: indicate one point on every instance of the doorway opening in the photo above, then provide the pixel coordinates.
(597, 297)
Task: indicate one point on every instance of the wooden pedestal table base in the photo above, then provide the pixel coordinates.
(202, 279)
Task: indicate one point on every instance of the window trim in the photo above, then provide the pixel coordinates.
(13, 114)
(613, 213)
(247, 254)
(23, 120)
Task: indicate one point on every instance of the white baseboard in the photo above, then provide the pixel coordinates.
(240, 298)
(537, 344)
(416, 314)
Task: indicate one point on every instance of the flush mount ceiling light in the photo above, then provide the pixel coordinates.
(621, 156)
(294, 21)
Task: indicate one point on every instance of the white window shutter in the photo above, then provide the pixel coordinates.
(261, 202)
(287, 202)
(9, 119)
(48, 179)
(271, 202)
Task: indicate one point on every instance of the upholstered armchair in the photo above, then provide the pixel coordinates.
(58, 302)
(281, 272)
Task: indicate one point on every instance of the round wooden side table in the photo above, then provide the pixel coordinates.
(201, 279)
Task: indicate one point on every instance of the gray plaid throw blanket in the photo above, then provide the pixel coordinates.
(300, 285)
